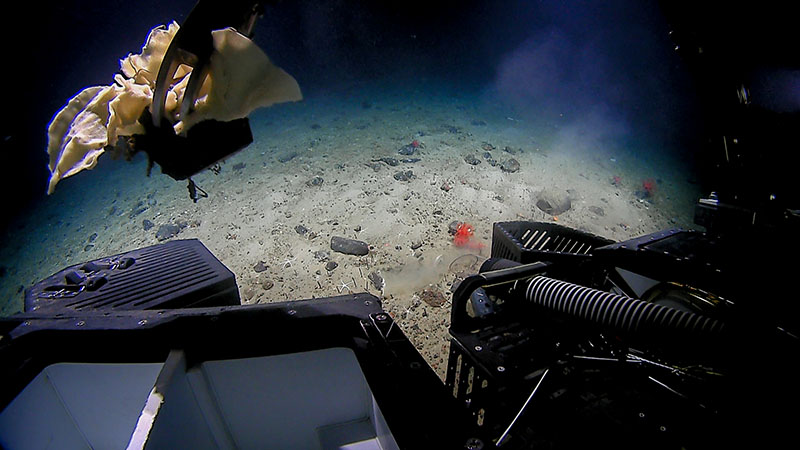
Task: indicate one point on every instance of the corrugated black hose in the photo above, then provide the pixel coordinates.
(617, 311)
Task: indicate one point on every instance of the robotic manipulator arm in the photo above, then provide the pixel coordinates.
(209, 141)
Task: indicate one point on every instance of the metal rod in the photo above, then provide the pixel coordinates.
(533, 236)
(541, 247)
(666, 387)
(519, 413)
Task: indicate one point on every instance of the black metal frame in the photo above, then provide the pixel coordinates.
(604, 387)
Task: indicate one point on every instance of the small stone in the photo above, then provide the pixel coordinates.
(446, 186)
(472, 160)
(415, 245)
(301, 230)
(433, 297)
(146, 224)
(452, 227)
(510, 165)
(388, 160)
(88, 247)
(331, 265)
(92, 237)
(377, 280)
(554, 201)
(321, 255)
(261, 266)
(349, 246)
(404, 175)
(407, 150)
(316, 181)
(167, 231)
(267, 284)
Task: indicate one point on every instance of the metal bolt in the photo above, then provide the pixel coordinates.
(501, 369)
(641, 415)
(292, 312)
(662, 428)
(367, 302)
(143, 321)
(478, 348)
(81, 323)
(381, 317)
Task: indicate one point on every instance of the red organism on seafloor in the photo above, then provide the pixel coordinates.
(463, 237)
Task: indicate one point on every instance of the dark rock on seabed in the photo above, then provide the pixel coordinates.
(167, 231)
(510, 165)
(403, 175)
(349, 246)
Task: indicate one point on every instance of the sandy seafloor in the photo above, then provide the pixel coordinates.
(256, 202)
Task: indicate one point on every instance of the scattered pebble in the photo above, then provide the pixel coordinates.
(331, 265)
(167, 231)
(301, 230)
(316, 181)
(409, 149)
(349, 246)
(261, 266)
(377, 280)
(433, 297)
(388, 160)
(453, 227)
(267, 284)
(146, 224)
(510, 165)
(554, 201)
(472, 160)
(404, 175)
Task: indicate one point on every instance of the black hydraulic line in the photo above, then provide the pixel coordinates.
(617, 311)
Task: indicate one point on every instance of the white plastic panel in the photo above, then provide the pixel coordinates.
(72, 406)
